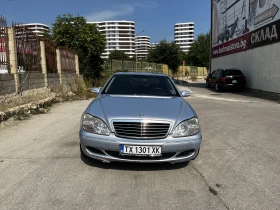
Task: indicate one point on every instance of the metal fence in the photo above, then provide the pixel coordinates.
(4, 51)
(50, 50)
(119, 65)
(28, 49)
(67, 57)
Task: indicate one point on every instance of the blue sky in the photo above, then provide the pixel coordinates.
(156, 17)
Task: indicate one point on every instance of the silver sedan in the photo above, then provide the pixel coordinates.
(140, 117)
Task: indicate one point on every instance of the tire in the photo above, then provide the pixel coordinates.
(217, 88)
(207, 84)
(241, 89)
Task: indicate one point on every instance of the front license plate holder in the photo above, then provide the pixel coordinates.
(137, 150)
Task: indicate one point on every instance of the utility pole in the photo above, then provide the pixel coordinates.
(211, 34)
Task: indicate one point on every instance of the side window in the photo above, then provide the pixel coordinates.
(213, 73)
(216, 73)
(222, 73)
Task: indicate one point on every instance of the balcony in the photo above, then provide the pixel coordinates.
(184, 38)
(121, 37)
(142, 42)
(185, 35)
(180, 27)
(183, 31)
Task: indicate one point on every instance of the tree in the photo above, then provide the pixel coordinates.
(84, 39)
(182, 56)
(118, 55)
(198, 54)
(166, 53)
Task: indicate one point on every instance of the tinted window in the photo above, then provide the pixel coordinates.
(140, 85)
(232, 72)
(216, 73)
(213, 73)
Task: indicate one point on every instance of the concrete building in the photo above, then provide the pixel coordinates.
(120, 35)
(142, 46)
(154, 44)
(184, 35)
(248, 40)
(38, 28)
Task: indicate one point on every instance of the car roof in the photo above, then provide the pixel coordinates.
(140, 73)
(234, 69)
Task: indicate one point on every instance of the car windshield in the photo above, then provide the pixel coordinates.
(140, 85)
(232, 72)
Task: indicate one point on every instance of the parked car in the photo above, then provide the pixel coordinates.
(140, 117)
(232, 79)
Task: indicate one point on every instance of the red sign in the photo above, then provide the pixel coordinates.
(236, 45)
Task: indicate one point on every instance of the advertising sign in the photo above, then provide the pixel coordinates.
(238, 25)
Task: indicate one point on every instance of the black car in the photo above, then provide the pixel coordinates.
(226, 79)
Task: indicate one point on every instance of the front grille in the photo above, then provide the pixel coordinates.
(162, 157)
(141, 130)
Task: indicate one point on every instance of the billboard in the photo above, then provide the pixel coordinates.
(239, 25)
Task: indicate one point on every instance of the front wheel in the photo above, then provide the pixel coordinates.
(241, 89)
(217, 88)
(207, 84)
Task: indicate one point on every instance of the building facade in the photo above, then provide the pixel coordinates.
(142, 46)
(38, 28)
(120, 35)
(153, 45)
(184, 35)
(245, 36)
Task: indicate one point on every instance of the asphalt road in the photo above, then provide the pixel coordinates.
(238, 166)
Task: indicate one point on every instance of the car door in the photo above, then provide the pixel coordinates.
(210, 79)
(216, 76)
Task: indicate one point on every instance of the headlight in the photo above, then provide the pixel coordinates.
(187, 128)
(94, 125)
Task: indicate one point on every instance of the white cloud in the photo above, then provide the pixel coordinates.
(110, 14)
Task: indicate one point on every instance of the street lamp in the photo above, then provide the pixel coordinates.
(135, 49)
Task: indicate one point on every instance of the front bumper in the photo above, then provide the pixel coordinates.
(106, 148)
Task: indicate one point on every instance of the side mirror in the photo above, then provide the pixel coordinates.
(185, 93)
(95, 90)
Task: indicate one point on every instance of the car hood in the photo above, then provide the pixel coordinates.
(114, 107)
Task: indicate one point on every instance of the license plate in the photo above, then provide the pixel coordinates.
(140, 150)
(234, 81)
